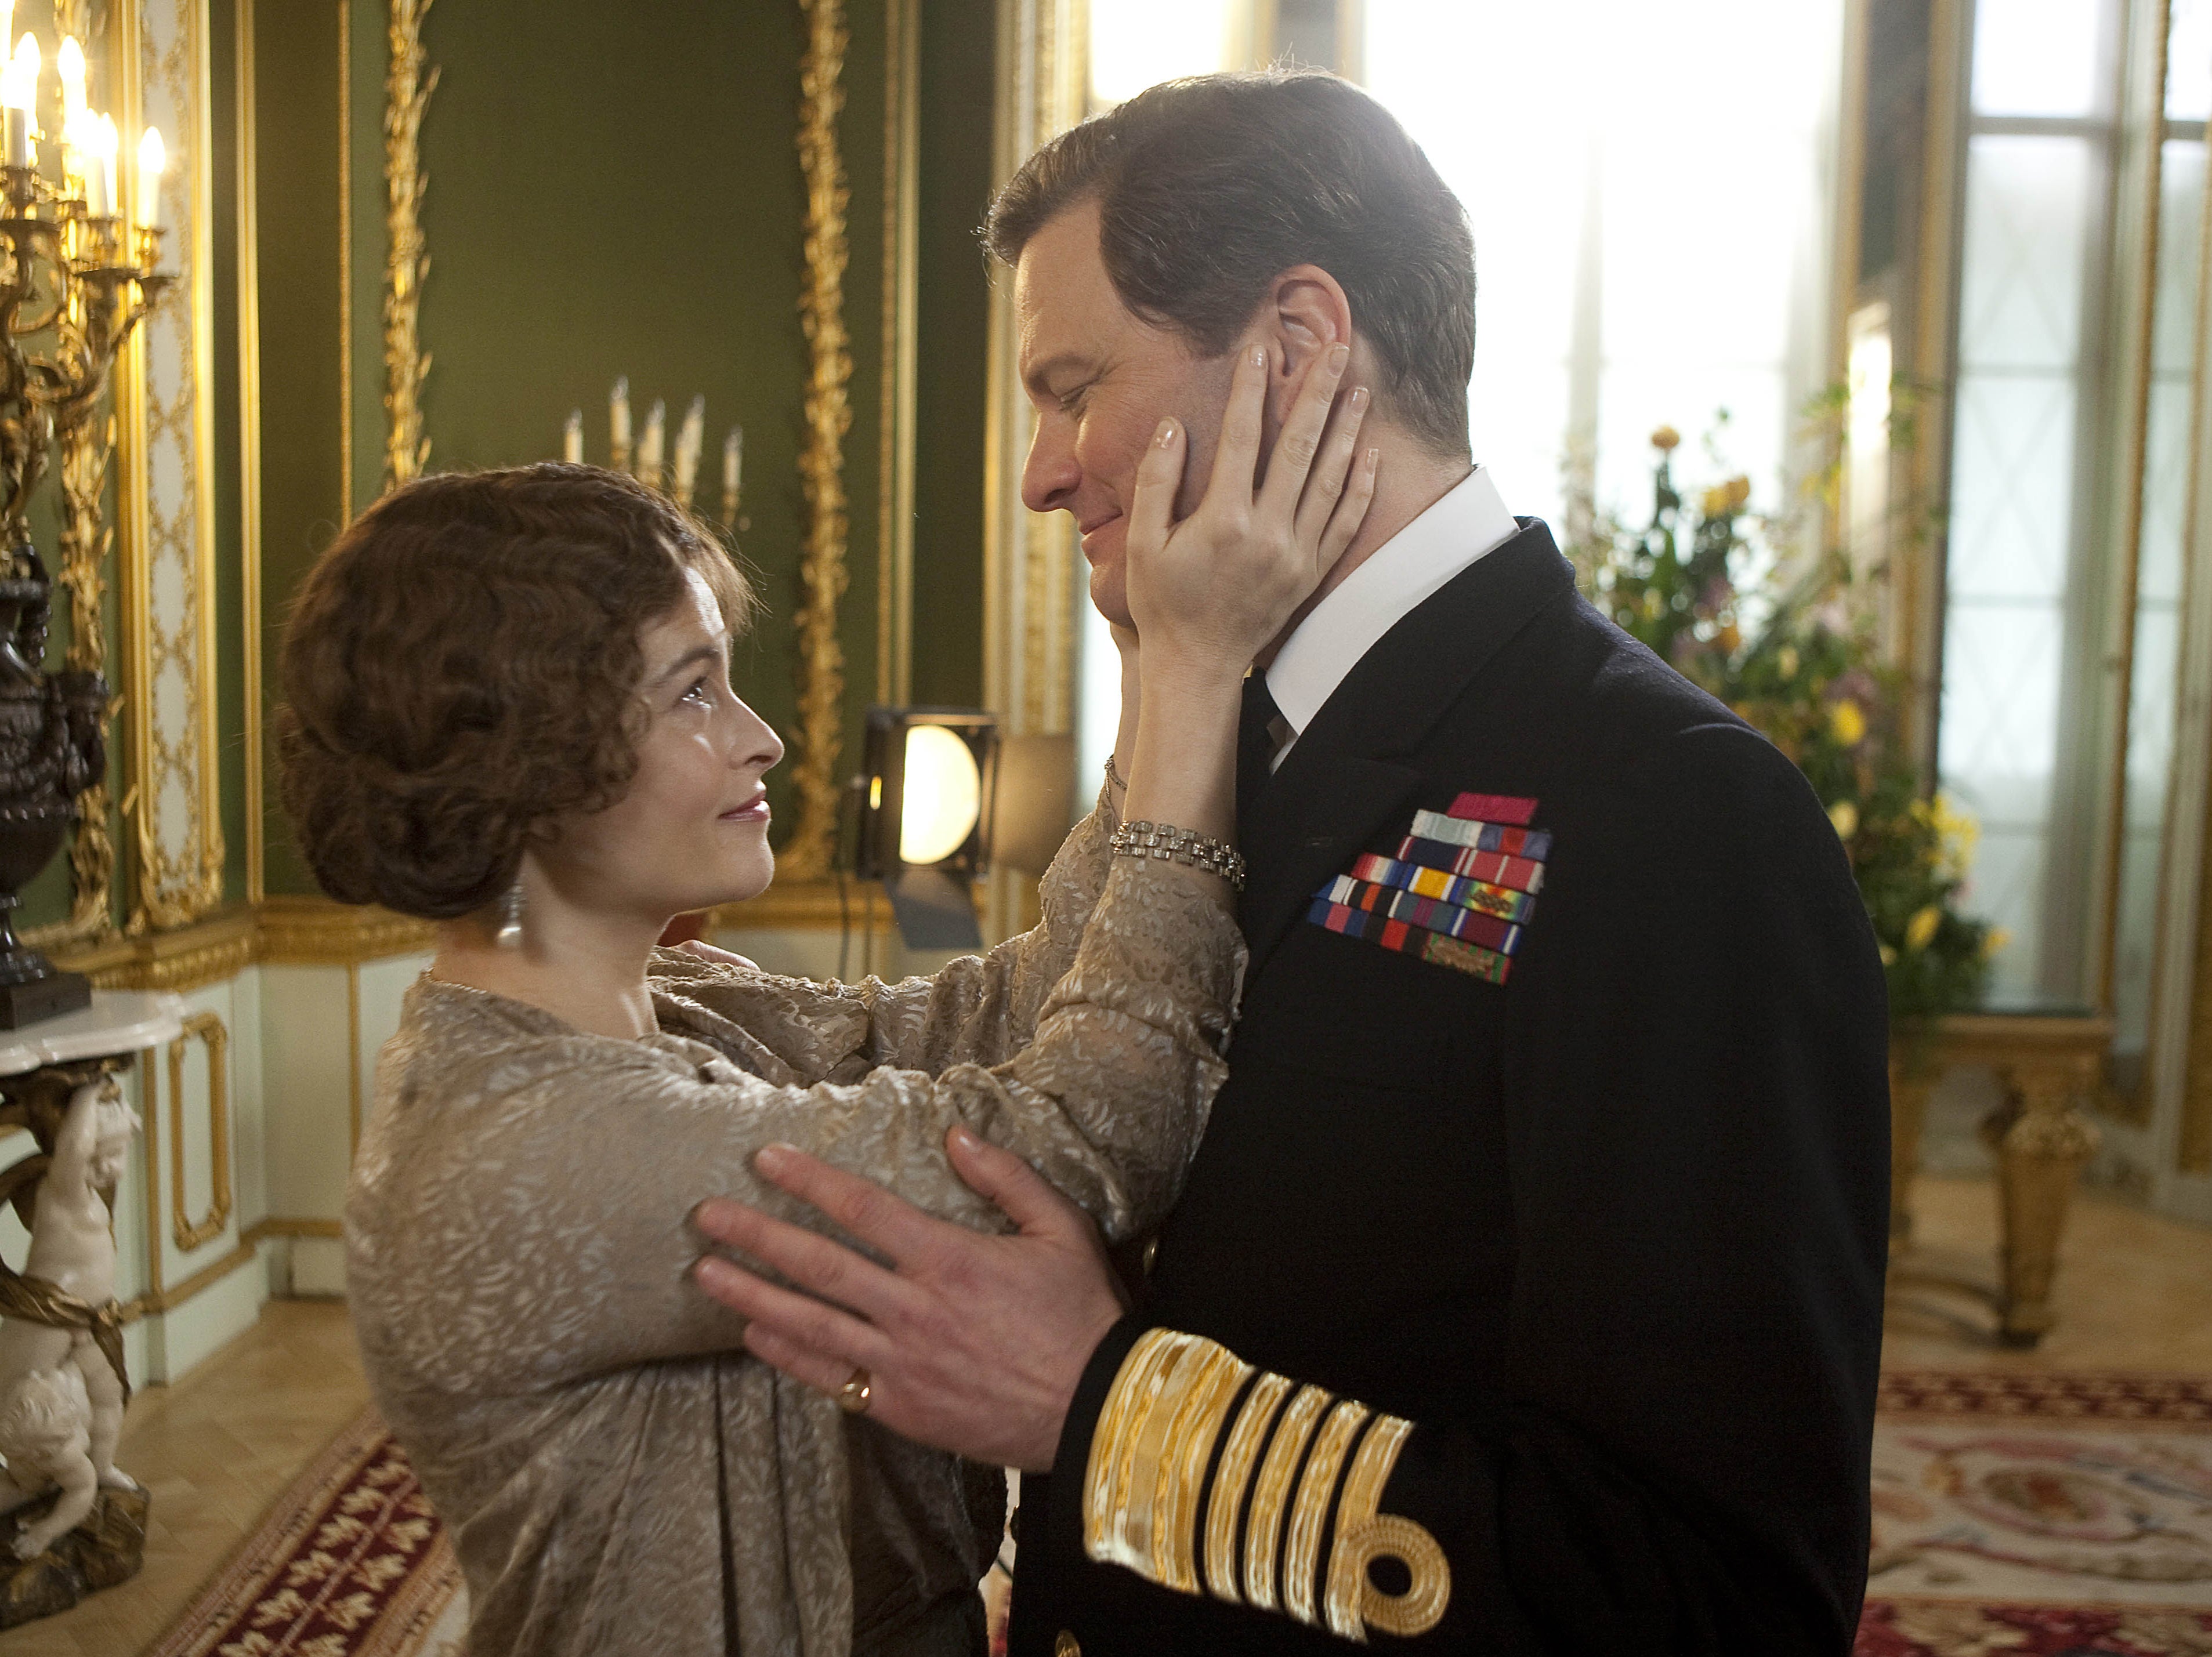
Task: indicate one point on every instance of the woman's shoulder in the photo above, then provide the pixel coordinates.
(785, 1030)
(460, 1048)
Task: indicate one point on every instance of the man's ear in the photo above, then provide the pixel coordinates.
(1306, 311)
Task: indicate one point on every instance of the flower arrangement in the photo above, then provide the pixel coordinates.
(1801, 663)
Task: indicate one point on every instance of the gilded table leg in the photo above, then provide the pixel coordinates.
(1910, 1087)
(2041, 1140)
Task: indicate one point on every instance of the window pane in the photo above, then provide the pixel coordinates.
(2030, 212)
(2038, 57)
(1695, 226)
(1137, 43)
(2189, 61)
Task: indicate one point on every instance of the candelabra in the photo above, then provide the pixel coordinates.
(73, 284)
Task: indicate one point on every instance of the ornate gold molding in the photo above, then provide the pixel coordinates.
(289, 932)
(310, 931)
(86, 541)
(164, 406)
(819, 735)
(895, 401)
(190, 1234)
(407, 90)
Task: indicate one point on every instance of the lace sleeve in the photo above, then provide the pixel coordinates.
(528, 1225)
(980, 1009)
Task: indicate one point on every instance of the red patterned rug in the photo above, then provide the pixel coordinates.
(349, 1562)
(2022, 1515)
(2015, 1515)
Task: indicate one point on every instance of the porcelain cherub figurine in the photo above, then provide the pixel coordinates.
(62, 1389)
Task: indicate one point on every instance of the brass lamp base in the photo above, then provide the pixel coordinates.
(108, 1548)
(43, 997)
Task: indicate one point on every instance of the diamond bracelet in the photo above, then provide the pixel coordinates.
(1192, 850)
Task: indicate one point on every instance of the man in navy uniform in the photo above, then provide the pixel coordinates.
(1525, 1294)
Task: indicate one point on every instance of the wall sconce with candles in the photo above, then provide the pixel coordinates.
(74, 280)
(924, 803)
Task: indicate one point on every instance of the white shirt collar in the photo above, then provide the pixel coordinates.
(1468, 522)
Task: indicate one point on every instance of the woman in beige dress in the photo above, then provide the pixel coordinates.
(509, 710)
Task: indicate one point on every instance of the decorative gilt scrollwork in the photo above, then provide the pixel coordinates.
(87, 446)
(407, 89)
(822, 573)
(165, 408)
(190, 1233)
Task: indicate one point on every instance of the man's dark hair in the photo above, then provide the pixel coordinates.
(1210, 188)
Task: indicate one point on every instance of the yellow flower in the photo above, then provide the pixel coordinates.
(1666, 439)
(1888, 955)
(1730, 638)
(1785, 661)
(1845, 816)
(1920, 931)
(1738, 490)
(1715, 501)
(1847, 721)
(1993, 940)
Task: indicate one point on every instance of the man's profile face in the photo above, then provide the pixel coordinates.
(1103, 378)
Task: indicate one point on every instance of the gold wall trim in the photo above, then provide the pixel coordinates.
(159, 1300)
(902, 297)
(310, 932)
(407, 90)
(168, 1300)
(246, 193)
(345, 262)
(207, 1029)
(285, 931)
(88, 447)
(819, 735)
(165, 401)
(190, 959)
(283, 1228)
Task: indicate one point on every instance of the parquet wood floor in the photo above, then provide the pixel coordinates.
(2134, 1292)
(216, 1448)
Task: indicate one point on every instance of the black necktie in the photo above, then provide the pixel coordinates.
(1255, 742)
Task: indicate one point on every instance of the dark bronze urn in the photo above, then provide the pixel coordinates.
(50, 750)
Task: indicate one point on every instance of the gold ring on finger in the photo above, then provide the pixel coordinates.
(852, 1397)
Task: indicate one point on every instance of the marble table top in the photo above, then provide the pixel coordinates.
(117, 1022)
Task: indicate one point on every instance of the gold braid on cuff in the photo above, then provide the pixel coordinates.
(1146, 1498)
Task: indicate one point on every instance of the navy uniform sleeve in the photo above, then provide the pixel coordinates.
(1677, 1461)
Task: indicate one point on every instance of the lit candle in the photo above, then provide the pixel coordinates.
(153, 158)
(19, 91)
(572, 438)
(689, 441)
(101, 179)
(69, 63)
(649, 450)
(618, 419)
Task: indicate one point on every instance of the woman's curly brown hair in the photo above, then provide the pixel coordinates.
(459, 674)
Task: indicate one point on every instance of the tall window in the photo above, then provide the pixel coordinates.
(2020, 646)
(1651, 226)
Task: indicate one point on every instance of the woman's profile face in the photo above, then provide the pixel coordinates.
(692, 831)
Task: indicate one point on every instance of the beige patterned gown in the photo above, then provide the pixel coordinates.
(618, 1476)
